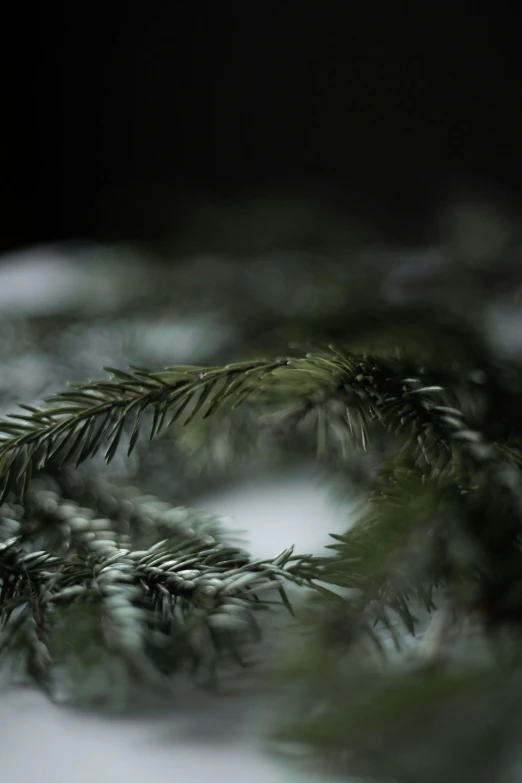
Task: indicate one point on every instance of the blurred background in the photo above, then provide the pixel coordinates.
(115, 120)
(200, 183)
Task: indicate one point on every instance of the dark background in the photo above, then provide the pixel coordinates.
(114, 119)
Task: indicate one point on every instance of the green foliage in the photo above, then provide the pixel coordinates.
(351, 391)
(455, 724)
(383, 675)
(154, 608)
(347, 396)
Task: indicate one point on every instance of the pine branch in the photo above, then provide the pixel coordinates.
(77, 422)
(345, 392)
(390, 554)
(23, 593)
(103, 591)
(189, 598)
(85, 511)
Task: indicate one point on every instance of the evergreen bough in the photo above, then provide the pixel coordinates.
(440, 532)
(403, 660)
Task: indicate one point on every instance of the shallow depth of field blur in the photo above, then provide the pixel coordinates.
(239, 281)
